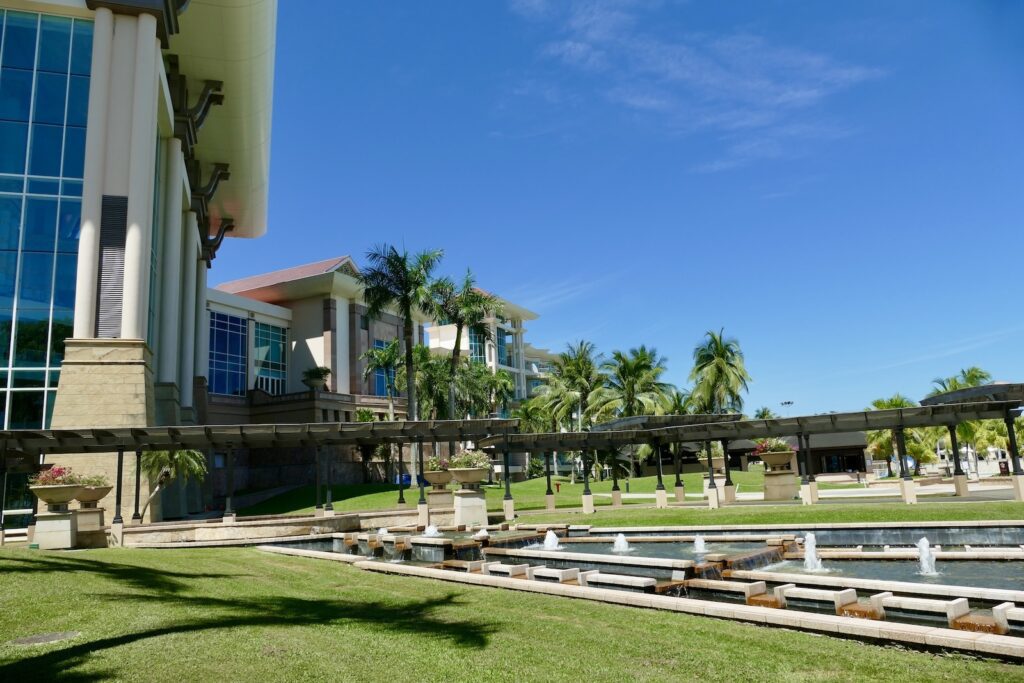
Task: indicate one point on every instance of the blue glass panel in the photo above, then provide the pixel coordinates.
(69, 222)
(11, 184)
(8, 270)
(81, 48)
(78, 100)
(51, 94)
(15, 94)
(43, 186)
(26, 410)
(40, 224)
(63, 327)
(74, 152)
(31, 332)
(20, 40)
(46, 146)
(13, 139)
(64, 295)
(5, 332)
(36, 282)
(54, 44)
(28, 379)
(71, 188)
(10, 221)
(54, 377)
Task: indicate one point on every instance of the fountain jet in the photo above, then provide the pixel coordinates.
(551, 541)
(926, 557)
(699, 546)
(812, 562)
(621, 545)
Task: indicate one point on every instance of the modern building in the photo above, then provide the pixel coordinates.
(134, 137)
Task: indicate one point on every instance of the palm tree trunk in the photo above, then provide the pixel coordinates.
(410, 368)
(451, 381)
(152, 495)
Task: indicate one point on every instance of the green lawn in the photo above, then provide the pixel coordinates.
(791, 514)
(241, 615)
(528, 495)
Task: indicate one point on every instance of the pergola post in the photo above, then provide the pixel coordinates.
(714, 502)
(680, 488)
(328, 494)
(401, 491)
(660, 494)
(1017, 475)
(549, 495)
(959, 478)
(801, 459)
(422, 513)
(229, 512)
(507, 504)
(907, 484)
(318, 509)
(729, 490)
(616, 491)
(808, 485)
(3, 488)
(118, 487)
(137, 516)
(588, 497)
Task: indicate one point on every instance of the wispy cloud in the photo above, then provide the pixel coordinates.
(543, 296)
(761, 98)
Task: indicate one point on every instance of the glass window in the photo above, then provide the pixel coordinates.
(78, 101)
(54, 44)
(13, 141)
(382, 378)
(47, 142)
(10, 221)
(69, 222)
(26, 410)
(40, 224)
(15, 94)
(20, 40)
(477, 343)
(270, 361)
(81, 48)
(63, 328)
(31, 332)
(36, 283)
(228, 346)
(51, 93)
(64, 289)
(74, 152)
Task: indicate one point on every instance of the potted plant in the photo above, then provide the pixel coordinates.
(470, 467)
(774, 452)
(316, 378)
(94, 489)
(437, 474)
(56, 486)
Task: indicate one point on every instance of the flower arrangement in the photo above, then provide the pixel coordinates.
(470, 460)
(437, 463)
(773, 445)
(317, 374)
(56, 476)
(93, 480)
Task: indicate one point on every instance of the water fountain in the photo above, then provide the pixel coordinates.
(926, 557)
(481, 535)
(551, 541)
(812, 563)
(382, 531)
(621, 545)
(431, 531)
(699, 546)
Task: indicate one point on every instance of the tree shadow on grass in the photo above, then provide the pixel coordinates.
(413, 618)
(144, 578)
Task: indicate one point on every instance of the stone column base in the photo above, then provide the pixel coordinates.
(328, 513)
(661, 499)
(440, 498)
(713, 501)
(729, 495)
(56, 530)
(908, 491)
(680, 493)
(808, 494)
(423, 514)
(616, 499)
(470, 508)
(588, 504)
(960, 484)
(549, 501)
(318, 512)
(90, 519)
(1018, 486)
(509, 508)
(229, 518)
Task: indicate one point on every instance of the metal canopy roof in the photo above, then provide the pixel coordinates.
(833, 423)
(660, 421)
(200, 437)
(1003, 391)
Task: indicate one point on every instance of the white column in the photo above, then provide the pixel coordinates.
(202, 338)
(92, 184)
(342, 373)
(140, 183)
(187, 343)
(170, 307)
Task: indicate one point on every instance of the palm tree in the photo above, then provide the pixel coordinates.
(431, 383)
(501, 388)
(385, 359)
(167, 465)
(883, 441)
(466, 307)
(394, 278)
(765, 413)
(719, 374)
(632, 385)
(973, 376)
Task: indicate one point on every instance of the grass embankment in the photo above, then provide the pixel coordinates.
(242, 615)
(528, 495)
(823, 513)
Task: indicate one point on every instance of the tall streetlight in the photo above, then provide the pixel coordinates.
(785, 406)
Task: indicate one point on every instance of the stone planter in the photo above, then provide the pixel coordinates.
(57, 496)
(469, 476)
(776, 460)
(91, 495)
(317, 384)
(438, 478)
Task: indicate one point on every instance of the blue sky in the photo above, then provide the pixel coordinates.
(839, 185)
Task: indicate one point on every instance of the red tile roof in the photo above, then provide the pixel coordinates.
(286, 275)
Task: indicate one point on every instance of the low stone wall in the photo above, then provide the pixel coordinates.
(241, 531)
